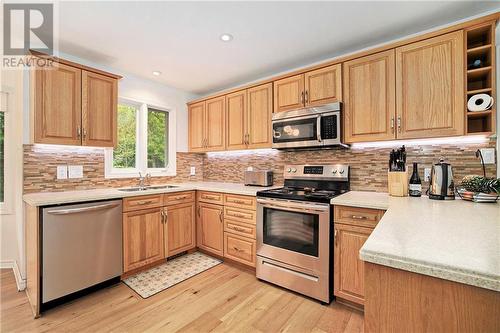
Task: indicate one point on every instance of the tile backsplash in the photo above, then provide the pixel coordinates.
(368, 165)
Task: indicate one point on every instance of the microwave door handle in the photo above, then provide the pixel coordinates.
(318, 128)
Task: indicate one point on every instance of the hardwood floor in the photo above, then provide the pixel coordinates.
(222, 299)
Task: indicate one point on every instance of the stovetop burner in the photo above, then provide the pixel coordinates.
(304, 194)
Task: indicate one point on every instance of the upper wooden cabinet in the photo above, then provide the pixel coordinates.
(312, 88)
(207, 125)
(99, 109)
(74, 105)
(430, 87)
(369, 98)
(323, 85)
(57, 105)
(248, 118)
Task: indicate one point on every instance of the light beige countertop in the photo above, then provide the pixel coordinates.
(54, 198)
(454, 240)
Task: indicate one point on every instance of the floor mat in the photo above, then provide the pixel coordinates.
(159, 278)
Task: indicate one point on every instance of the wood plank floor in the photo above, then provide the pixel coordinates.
(222, 299)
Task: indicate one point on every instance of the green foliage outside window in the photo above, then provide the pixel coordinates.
(157, 139)
(124, 153)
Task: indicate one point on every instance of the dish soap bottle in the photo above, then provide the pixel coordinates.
(415, 186)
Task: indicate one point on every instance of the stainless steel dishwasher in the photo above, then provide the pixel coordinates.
(81, 247)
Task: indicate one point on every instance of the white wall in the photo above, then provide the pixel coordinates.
(11, 222)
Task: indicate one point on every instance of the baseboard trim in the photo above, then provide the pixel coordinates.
(12, 264)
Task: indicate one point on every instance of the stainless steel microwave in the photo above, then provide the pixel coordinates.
(308, 127)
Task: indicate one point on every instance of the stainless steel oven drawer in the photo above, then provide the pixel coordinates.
(309, 283)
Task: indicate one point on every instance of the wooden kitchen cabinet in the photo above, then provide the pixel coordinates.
(317, 87)
(142, 238)
(74, 105)
(207, 125)
(369, 98)
(179, 228)
(99, 110)
(323, 86)
(210, 228)
(430, 87)
(248, 118)
(241, 249)
(57, 105)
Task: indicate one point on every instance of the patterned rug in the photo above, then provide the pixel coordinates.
(159, 278)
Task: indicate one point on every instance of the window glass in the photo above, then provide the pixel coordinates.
(125, 151)
(157, 138)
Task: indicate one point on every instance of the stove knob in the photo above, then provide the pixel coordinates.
(294, 170)
(334, 171)
(341, 171)
(289, 170)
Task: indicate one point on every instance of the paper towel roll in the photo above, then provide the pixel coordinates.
(479, 102)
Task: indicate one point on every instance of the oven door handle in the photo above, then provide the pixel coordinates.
(318, 128)
(290, 205)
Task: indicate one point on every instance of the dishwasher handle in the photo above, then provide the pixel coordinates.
(83, 209)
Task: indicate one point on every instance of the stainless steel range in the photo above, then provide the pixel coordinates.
(294, 229)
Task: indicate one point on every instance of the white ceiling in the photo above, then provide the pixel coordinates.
(181, 39)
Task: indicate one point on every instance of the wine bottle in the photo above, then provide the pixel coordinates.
(415, 186)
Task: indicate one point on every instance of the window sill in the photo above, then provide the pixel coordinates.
(122, 175)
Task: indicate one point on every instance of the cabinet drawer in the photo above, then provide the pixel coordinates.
(239, 248)
(142, 202)
(357, 216)
(211, 197)
(177, 198)
(240, 215)
(239, 201)
(241, 229)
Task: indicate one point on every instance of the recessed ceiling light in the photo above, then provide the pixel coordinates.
(156, 73)
(226, 37)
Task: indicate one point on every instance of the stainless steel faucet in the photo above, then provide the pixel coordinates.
(144, 179)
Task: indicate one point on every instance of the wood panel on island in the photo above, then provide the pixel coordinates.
(72, 104)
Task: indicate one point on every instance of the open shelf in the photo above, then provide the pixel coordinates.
(480, 45)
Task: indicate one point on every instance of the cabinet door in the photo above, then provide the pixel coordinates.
(142, 238)
(57, 107)
(99, 109)
(323, 85)
(236, 110)
(260, 111)
(348, 269)
(180, 228)
(430, 87)
(289, 93)
(215, 123)
(210, 228)
(197, 127)
(369, 103)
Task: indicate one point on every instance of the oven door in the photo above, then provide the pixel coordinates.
(294, 232)
(296, 132)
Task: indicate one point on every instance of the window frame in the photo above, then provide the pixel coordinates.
(8, 193)
(141, 144)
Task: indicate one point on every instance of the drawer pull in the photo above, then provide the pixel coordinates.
(210, 197)
(240, 215)
(359, 217)
(238, 250)
(238, 229)
(238, 201)
(181, 197)
(145, 202)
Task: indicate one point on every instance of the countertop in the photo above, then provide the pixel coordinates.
(454, 240)
(55, 198)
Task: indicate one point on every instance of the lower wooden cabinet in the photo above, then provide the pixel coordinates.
(210, 228)
(179, 228)
(241, 249)
(353, 226)
(142, 238)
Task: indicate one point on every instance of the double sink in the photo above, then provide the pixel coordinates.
(145, 188)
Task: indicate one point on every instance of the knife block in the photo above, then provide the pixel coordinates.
(398, 183)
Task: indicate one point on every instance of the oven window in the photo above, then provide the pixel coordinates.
(292, 231)
(297, 130)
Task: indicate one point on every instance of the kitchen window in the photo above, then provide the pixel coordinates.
(145, 141)
(2, 154)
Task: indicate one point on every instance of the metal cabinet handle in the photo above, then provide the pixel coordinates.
(199, 208)
(84, 133)
(238, 229)
(165, 213)
(392, 124)
(335, 236)
(238, 201)
(307, 96)
(359, 217)
(145, 202)
(302, 97)
(220, 216)
(210, 197)
(79, 132)
(162, 217)
(236, 249)
(181, 197)
(239, 215)
(399, 124)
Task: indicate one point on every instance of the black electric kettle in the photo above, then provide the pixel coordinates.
(441, 186)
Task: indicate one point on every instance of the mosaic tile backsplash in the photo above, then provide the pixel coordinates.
(368, 165)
